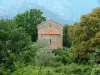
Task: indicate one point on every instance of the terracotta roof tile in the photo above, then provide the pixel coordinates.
(51, 32)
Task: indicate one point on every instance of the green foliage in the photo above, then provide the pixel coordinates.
(55, 64)
(4, 71)
(13, 42)
(66, 38)
(86, 35)
(63, 56)
(25, 71)
(58, 70)
(49, 72)
(74, 69)
(78, 69)
(16, 38)
(20, 56)
(95, 70)
(29, 20)
(43, 56)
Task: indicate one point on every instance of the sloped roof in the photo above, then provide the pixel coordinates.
(48, 21)
(52, 32)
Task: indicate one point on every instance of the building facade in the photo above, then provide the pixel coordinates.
(52, 32)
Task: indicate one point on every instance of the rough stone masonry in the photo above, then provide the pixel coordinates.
(52, 32)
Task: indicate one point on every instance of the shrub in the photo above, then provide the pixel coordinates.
(25, 71)
(96, 70)
(63, 55)
(4, 71)
(49, 72)
(77, 69)
(55, 64)
(58, 70)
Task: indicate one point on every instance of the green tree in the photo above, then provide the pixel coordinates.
(42, 58)
(63, 56)
(13, 42)
(31, 53)
(29, 20)
(86, 35)
(66, 38)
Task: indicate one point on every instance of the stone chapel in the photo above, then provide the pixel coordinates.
(52, 32)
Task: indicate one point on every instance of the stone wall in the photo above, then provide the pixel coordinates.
(56, 40)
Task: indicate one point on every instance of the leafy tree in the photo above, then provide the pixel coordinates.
(71, 29)
(29, 20)
(86, 35)
(66, 38)
(63, 56)
(13, 42)
(43, 56)
(31, 53)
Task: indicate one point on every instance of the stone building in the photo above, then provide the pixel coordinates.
(52, 32)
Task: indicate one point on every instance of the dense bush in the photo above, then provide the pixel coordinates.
(95, 70)
(74, 69)
(49, 72)
(4, 71)
(55, 64)
(25, 71)
(13, 42)
(77, 69)
(63, 55)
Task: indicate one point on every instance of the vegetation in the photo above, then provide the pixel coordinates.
(86, 35)
(29, 20)
(20, 54)
(66, 37)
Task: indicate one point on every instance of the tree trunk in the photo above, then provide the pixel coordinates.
(40, 69)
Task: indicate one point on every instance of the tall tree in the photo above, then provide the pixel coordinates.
(13, 42)
(29, 20)
(42, 58)
(86, 35)
(66, 38)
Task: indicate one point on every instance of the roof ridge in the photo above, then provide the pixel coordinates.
(50, 20)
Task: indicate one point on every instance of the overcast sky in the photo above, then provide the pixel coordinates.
(64, 8)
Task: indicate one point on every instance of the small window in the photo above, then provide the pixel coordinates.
(50, 41)
(50, 25)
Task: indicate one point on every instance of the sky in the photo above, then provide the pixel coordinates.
(66, 9)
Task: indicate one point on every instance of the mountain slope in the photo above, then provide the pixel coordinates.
(62, 11)
(14, 9)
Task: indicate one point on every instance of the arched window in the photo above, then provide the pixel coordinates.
(50, 25)
(50, 41)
